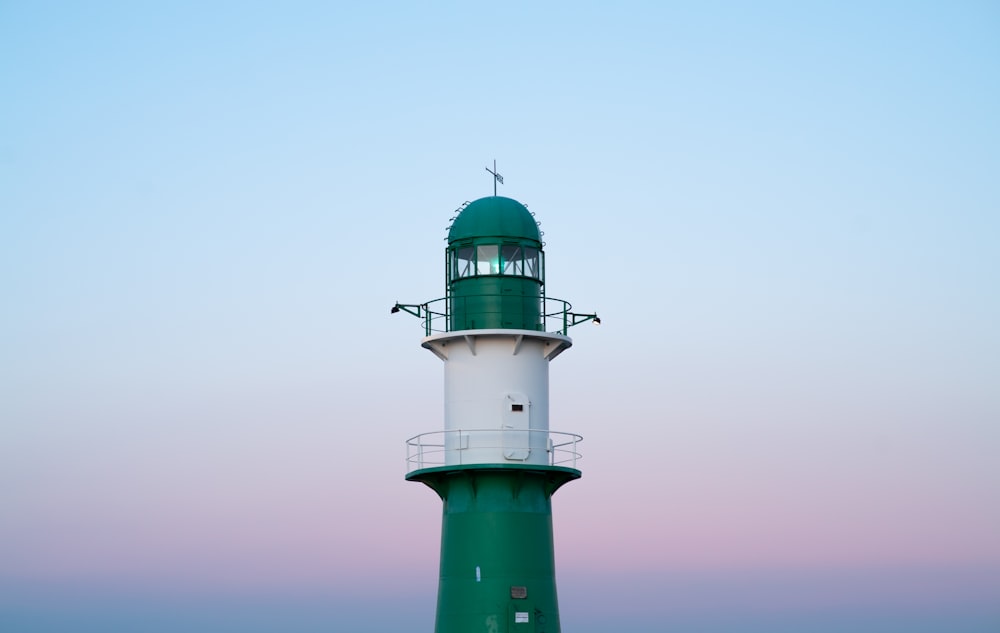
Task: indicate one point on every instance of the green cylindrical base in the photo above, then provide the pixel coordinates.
(497, 560)
(480, 303)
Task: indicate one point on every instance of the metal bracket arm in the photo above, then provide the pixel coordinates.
(576, 318)
(417, 310)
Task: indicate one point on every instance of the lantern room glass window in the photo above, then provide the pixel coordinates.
(513, 260)
(488, 259)
(531, 263)
(463, 263)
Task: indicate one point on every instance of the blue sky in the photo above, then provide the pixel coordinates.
(786, 214)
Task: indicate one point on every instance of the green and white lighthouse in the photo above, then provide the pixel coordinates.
(496, 464)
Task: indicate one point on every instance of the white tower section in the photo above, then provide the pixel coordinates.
(496, 384)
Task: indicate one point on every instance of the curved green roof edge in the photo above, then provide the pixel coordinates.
(495, 216)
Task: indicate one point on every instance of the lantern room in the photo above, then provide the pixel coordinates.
(495, 267)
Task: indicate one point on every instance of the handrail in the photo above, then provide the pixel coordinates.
(426, 450)
(556, 314)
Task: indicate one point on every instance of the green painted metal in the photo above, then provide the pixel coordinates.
(496, 216)
(497, 561)
(496, 302)
(495, 272)
(495, 267)
(557, 317)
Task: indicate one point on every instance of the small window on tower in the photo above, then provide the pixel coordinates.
(517, 407)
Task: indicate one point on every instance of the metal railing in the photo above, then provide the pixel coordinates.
(488, 446)
(556, 315)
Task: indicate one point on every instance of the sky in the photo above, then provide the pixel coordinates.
(786, 214)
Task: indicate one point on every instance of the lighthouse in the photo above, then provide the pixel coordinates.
(496, 463)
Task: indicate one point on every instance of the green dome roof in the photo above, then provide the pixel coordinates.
(495, 216)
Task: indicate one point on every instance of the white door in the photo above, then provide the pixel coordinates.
(516, 422)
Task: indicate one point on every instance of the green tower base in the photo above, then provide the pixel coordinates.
(497, 561)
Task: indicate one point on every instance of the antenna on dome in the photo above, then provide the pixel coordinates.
(497, 178)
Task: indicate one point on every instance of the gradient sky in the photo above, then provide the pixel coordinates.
(786, 214)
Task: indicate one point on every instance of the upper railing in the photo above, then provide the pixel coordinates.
(469, 446)
(557, 315)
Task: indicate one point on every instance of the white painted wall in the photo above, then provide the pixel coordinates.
(486, 374)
